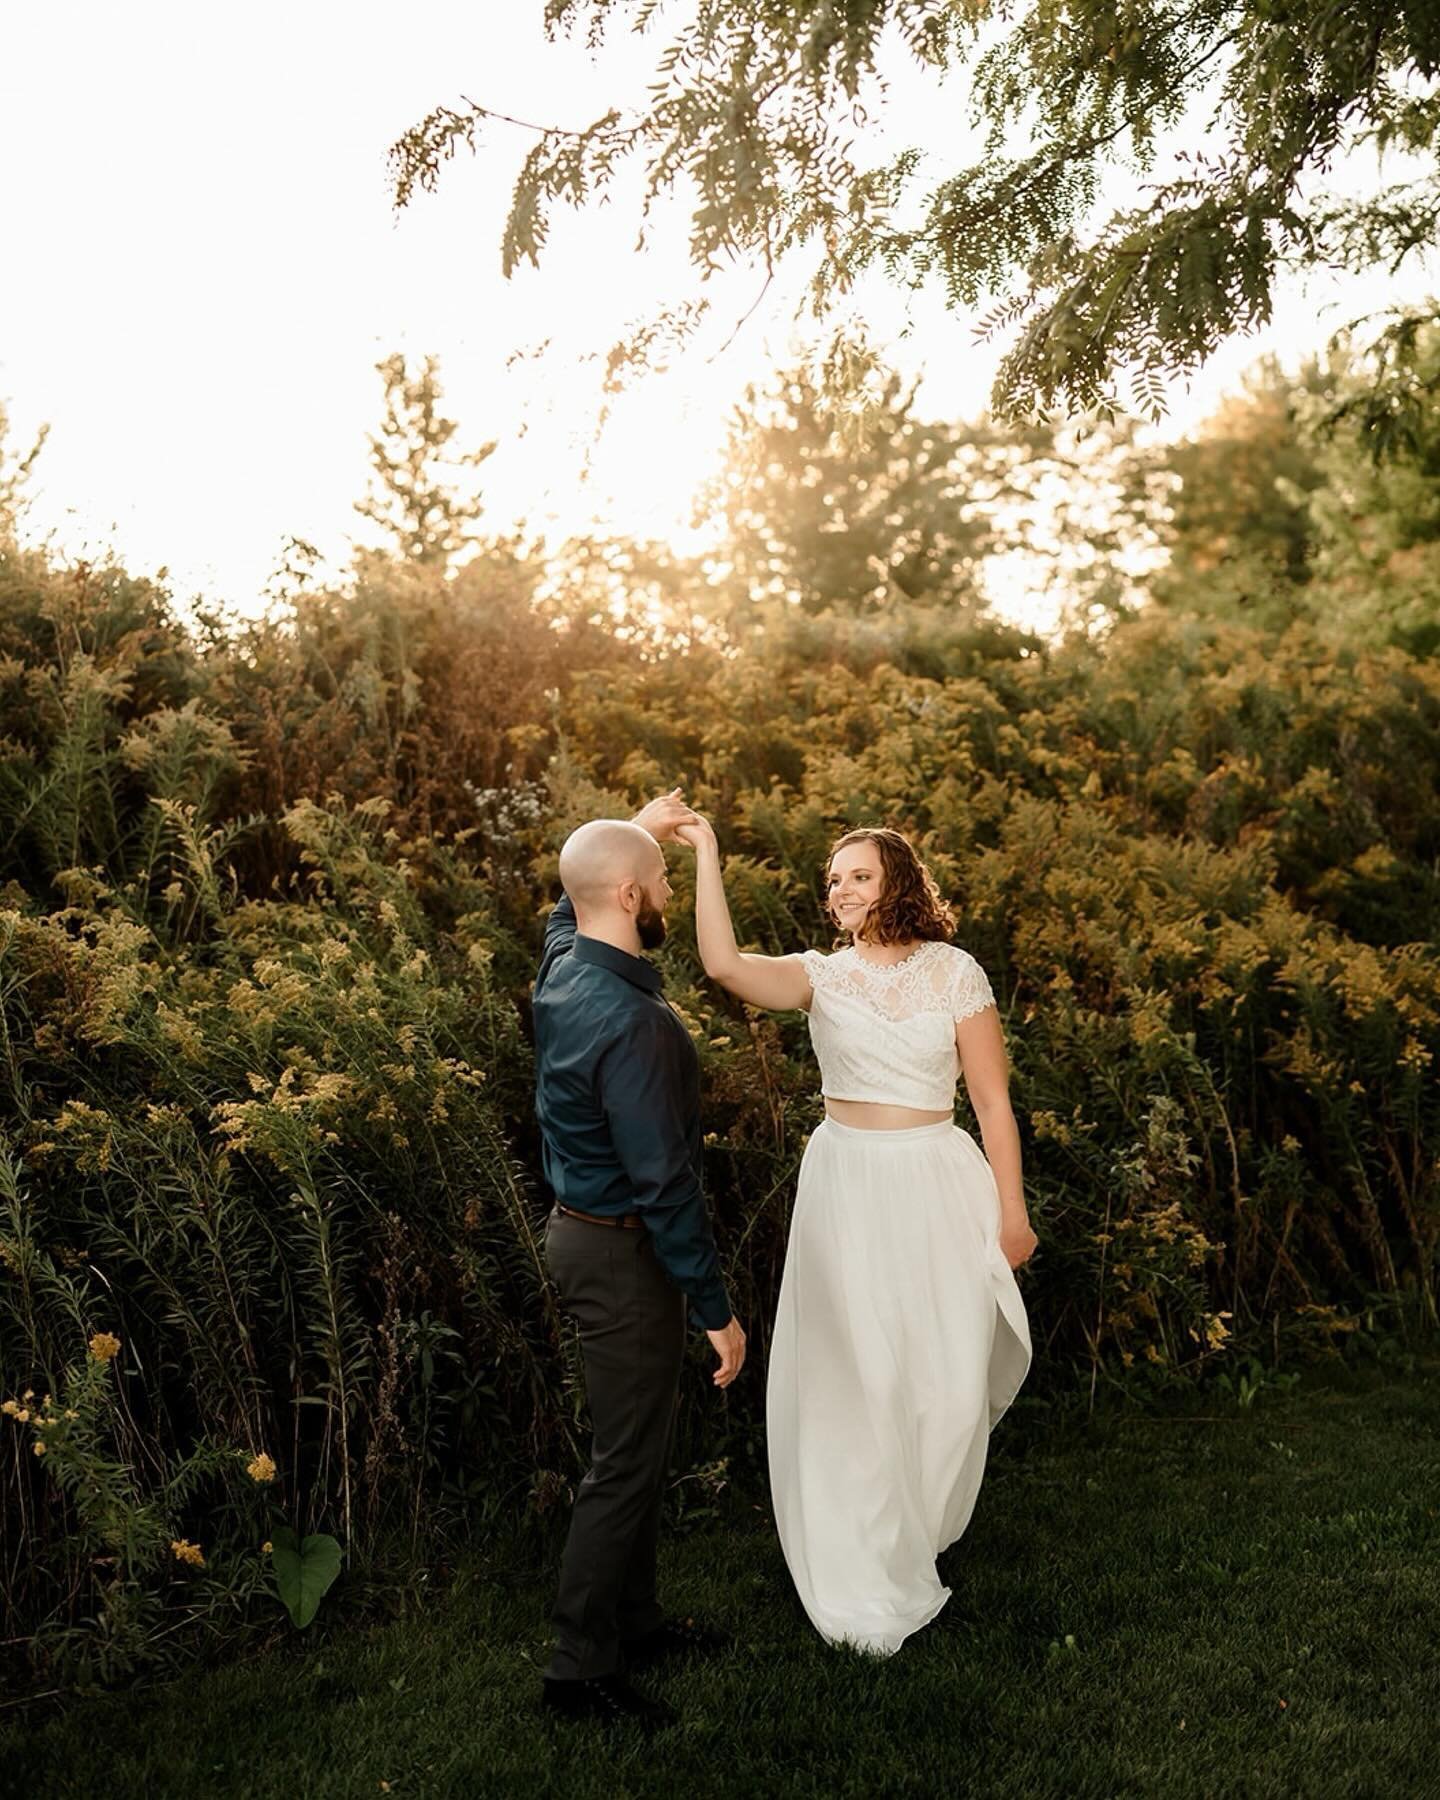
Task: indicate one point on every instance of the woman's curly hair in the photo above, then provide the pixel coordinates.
(910, 905)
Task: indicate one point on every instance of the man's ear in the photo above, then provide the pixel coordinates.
(632, 895)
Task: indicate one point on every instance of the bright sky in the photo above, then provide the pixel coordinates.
(204, 269)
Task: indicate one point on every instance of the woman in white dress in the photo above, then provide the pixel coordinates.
(900, 1336)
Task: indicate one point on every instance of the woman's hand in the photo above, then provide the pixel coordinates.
(697, 833)
(1017, 1241)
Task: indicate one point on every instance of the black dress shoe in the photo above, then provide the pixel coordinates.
(609, 1698)
(674, 1637)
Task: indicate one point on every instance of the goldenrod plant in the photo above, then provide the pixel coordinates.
(270, 898)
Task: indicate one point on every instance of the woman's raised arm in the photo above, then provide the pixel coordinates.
(776, 982)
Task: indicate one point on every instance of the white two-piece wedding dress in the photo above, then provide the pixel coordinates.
(901, 1336)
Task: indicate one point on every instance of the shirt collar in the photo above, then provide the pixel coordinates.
(619, 962)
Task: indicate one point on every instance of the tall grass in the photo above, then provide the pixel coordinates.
(269, 910)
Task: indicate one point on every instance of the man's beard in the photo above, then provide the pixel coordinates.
(650, 926)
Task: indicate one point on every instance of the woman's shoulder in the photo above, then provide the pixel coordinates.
(825, 965)
(959, 957)
(970, 989)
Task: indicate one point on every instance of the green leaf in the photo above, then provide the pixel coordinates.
(304, 1570)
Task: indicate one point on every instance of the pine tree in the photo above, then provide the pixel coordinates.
(411, 499)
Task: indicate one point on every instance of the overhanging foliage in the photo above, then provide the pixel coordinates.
(758, 117)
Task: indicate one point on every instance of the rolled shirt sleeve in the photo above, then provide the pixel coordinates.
(640, 1088)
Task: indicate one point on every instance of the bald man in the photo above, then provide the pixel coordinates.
(628, 1243)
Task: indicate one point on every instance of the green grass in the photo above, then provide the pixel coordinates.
(1248, 1605)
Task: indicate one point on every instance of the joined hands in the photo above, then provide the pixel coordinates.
(664, 816)
(671, 819)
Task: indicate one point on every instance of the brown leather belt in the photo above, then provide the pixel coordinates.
(626, 1221)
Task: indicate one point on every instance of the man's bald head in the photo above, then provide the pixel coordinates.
(601, 857)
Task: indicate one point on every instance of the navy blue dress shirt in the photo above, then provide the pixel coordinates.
(617, 1093)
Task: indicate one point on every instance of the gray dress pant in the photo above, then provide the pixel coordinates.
(632, 1338)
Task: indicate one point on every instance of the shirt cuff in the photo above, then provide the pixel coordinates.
(711, 1308)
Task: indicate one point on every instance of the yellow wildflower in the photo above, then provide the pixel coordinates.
(187, 1552)
(104, 1346)
(1216, 1330)
(331, 1086)
(266, 1547)
(12, 1407)
(261, 1469)
(39, 1446)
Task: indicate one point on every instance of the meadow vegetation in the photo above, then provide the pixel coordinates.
(271, 893)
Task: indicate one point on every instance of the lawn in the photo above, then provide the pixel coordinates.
(1224, 1601)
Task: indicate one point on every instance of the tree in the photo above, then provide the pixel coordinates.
(421, 511)
(758, 109)
(1377, 523)
(1238, 524)
(1267, 515)
(15, 472)
(819, 517)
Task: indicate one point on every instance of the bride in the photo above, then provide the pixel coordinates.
(900, 1336)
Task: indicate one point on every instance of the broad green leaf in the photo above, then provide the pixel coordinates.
(304, 1570)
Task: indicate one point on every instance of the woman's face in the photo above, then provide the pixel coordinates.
(856, 881)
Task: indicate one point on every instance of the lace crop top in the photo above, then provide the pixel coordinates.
(888, 1033)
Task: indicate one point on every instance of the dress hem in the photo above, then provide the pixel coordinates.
(883, 1634)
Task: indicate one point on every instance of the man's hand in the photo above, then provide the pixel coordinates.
(663, 814)
(729, 1345)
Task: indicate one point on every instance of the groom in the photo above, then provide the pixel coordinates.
(628, 1244)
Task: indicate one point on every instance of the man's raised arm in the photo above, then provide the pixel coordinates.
(559, 936)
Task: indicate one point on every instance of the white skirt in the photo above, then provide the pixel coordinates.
(899, 1340)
